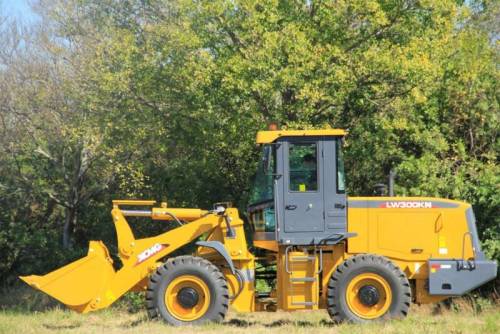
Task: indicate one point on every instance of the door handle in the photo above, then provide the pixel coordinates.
(290, 207)
(339, 206)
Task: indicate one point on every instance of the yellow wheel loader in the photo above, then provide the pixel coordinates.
(360, 258)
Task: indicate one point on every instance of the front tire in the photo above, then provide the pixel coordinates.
(187, 290)
(366, 288)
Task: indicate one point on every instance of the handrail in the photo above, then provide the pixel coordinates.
(472, 244)
(320, 267)
(464, 264)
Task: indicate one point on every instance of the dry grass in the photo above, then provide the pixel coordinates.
(24, 310)
(116, 320)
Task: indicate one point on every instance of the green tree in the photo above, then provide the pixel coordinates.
(162, 99)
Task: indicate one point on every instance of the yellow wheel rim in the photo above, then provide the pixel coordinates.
(181, 312)
(360, 308)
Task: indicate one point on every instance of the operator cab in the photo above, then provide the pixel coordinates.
(299, 195)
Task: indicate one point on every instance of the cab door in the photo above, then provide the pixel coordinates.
(303, 203)
(335, 191)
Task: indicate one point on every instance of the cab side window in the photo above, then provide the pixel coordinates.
(303, 166)
(340, 167)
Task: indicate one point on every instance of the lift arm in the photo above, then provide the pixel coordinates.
(91, 283)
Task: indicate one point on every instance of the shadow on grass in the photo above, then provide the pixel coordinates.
(137, 322)
(239, 323)
(60, 327)
(278, 323)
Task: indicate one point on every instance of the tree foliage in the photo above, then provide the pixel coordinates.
(162, 99)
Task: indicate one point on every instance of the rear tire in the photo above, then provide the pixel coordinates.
(368, 287)
(187, 290)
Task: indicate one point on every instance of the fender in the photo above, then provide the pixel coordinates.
(219, 247)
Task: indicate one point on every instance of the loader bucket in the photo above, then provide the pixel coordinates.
(78, 283)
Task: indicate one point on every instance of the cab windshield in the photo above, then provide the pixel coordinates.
(261, 208)
(263, 189)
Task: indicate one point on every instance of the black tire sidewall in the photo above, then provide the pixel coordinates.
(194, 269)
(373, 265)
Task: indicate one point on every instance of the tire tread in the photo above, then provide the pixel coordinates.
(176, 264)
(340, 274)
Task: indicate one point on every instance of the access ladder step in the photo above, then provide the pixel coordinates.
(304, 303)
(302, 258)
(303, 279)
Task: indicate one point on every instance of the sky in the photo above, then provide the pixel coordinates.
(18, 9)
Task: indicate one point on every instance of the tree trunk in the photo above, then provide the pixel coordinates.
(74, 195)
(69, 225)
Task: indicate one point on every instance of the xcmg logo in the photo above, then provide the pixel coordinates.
(407, 205)
(149, 252)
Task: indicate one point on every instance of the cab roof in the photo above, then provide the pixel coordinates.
(266, 137)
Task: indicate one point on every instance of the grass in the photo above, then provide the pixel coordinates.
(24, 313)
(117, 320)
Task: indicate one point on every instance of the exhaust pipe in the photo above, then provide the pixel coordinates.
(392, 177)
